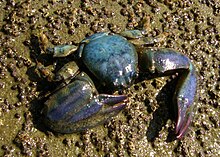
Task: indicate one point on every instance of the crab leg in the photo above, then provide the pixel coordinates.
(168, 61)
(138, 37)
(62, 50)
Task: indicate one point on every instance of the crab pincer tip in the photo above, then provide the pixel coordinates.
(181, 131)
(183, 121)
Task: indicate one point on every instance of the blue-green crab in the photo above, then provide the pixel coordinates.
(113, 60)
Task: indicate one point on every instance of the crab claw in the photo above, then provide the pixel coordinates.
(168, 61)
(78, 106)
(184, 97)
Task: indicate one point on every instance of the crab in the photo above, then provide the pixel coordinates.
(76, 104)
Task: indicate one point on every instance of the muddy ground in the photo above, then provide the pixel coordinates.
(146, 126)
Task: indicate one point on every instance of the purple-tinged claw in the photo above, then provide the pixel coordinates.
(78, 106)
(116, 102)
(98, 111)
(101, 104)
(168, 61)
(183, 122)
(111, 99)
(184, 97)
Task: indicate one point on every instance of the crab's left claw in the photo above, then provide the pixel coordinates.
(184, 97)
(168, 61)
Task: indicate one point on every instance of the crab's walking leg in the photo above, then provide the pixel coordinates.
(168, 61)
(139, 37)
(66, 72)
(62, 50)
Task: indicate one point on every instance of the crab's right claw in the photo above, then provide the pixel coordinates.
(77, 106)
(96, 112)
